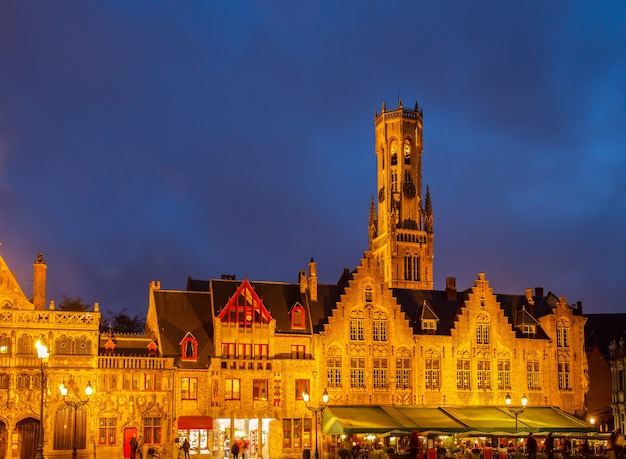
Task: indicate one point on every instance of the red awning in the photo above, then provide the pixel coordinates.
(195, 422)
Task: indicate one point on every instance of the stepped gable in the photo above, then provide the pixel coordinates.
(179, 313)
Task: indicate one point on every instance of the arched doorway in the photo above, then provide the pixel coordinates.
(28, 430)
(4, 440)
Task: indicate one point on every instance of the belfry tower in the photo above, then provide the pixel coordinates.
(401, 234)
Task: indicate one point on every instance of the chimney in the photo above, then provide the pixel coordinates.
(39, 283)
(451, 288)
(302, 281)
(313, 280)
(529, 296)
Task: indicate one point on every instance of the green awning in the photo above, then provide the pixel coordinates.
(424, 419)
(357, 419)
(487, 419)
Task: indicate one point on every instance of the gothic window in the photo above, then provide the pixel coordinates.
(26, 345)
(63, 345)
(5, 344)
(432, 370)
(379, 329)
(394, 153)
(22, 381)
(482, 329)
(484, 374)
(504, 374)
(333, 365)
(394, 181)
(532, 372)
(407, 152)
(562, 333)
(411, 267)
(4, 381)
(83, 346)
(564, 373)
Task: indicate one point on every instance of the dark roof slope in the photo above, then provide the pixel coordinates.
(180, 312)
(601, 329)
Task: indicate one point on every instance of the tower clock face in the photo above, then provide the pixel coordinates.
(409, 190)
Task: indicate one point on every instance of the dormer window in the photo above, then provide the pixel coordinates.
(189, 347)
(297, 316)
(152, 348)
(429, 326)
(529, 329)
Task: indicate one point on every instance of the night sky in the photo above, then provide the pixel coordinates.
(151, 140)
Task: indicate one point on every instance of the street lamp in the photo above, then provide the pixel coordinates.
(75, 404)
(316, 412)
(516, 411)
(42, 354)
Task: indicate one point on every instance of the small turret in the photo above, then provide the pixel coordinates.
(39, 283)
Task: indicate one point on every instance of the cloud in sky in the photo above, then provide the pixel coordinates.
(148, 141)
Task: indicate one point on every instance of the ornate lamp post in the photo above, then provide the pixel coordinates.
(316, 412)
(516, 411)
(75, 405)
(43, 354)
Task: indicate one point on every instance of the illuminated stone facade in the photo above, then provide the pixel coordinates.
(227, 359)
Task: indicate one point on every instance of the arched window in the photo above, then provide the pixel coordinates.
(5, 344)
(407, 152)
(189, 347)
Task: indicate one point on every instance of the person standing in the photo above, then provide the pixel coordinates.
(235, 450)
(133, 447)
(185, 448)
(531, 446)
(549, 445)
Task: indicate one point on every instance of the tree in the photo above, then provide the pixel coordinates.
(72, 304)
(121, 322)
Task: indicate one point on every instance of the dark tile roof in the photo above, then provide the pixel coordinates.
(180, 312)
(126, 344)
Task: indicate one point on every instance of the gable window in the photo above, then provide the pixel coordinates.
(188, 388)
(482, 333)
(564, 374)
(368, 294)
(463, 374)
(562, 334)
(333, 363)
(302, 385)
(357, 332)
(297, 317)
(232, 389)
(432, 371)
(379, 327)
(484, 374)
(357, 371)
(245, 309)
(532, 373)
(504, 374)
(259, 389)
(189, 347)
(529, 329)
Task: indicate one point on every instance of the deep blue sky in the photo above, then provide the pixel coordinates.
(151, 140)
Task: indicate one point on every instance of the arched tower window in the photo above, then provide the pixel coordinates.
(407, 152)
(394, 153)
